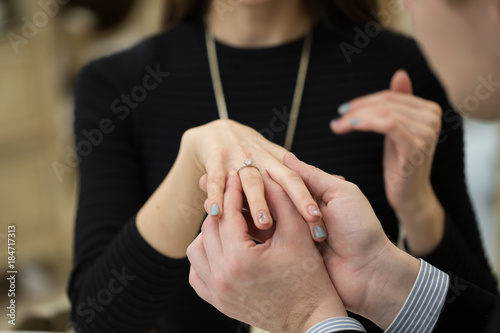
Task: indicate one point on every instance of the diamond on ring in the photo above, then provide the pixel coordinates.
(247, 163)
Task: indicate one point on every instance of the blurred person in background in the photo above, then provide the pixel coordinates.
(146, 130)
(461, 40)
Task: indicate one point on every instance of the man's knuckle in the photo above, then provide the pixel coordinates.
(221, 282)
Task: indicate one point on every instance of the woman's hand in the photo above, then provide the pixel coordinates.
(411, 126)
(222, 145)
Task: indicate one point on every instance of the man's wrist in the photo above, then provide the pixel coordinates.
(423, 306)
(390, 286)
(330, 308)
(337, 324)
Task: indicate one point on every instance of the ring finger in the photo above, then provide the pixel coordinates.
(253, 187)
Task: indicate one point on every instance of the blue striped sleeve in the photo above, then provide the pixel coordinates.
(424, 303)
(337, 324)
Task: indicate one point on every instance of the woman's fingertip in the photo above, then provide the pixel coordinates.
(319, 232)
(214, 210)
(263, 218)
(313, 210)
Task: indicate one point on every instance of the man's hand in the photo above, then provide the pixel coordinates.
(281, 285)
(372, 276)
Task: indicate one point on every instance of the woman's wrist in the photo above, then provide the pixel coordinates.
(189, 153)
(423, 220)
(171, 218)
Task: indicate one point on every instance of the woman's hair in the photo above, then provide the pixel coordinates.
(338, 15)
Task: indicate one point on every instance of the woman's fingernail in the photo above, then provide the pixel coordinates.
(355, 121)
(263, 219)
(344, 108)
(334, 123)
(214, 210)
(313, 210)
(319, 231)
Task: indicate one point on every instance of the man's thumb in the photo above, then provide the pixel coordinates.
(401, 82)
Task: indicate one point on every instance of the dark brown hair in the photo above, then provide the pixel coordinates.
(338, 15)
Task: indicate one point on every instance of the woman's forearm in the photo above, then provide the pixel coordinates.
(171, 218)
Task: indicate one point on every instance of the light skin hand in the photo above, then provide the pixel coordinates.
(411, 126)
(281, 285)
(171, 218)
(371, 275)
(221, 146)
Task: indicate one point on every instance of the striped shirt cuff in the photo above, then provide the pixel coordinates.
(423, 306)
(337, 324)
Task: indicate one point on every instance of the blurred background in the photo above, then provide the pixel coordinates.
(43, 45)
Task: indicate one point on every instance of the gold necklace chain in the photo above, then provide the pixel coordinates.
(297, 95)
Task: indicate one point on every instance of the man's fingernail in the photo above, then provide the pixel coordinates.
(214, 210)
(319, 231)
(313, 210)
(355, 121)
(263, 219)
(344, 108)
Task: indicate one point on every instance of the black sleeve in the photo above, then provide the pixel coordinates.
(461, 251)
(467, 308)
(118, 283)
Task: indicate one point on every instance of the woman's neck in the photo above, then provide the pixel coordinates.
(257, 23)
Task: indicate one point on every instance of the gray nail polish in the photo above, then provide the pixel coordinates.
(214, 210)
(355, 121)
(344, 108)
(319, 231)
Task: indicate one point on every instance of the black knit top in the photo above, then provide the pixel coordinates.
(130, 116)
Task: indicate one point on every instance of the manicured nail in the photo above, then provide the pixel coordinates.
(319, 231)
(333, 123)
(313, 210)
(214, 210)
(344, 108)
(263, 218)
(355, 121)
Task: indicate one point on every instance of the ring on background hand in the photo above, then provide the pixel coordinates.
(248, 163)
